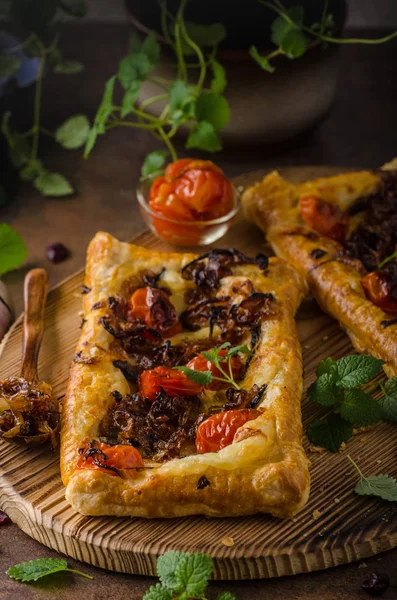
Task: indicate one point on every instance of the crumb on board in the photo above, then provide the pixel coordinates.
(316, 514)
(306, 346)
(362, 565)
(342, 447)
(325, 338)
(379, 461)
(228, 541)
(317, 449)
(337, 500)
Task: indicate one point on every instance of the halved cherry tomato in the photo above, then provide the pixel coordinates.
(218, 431)
(154, 308)
(326, 218)
(378, 288)
(119, 457)
(192, 190)
(200, 363)
(174, 383)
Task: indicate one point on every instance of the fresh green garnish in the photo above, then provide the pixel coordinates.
(41, 567)
(387, 260)
(338, 387)
(382, 486)
(183, 576)
(13, 250)
(222, 363)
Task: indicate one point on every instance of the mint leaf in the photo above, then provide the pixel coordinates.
(294, 44)
(382, 486)
(53, 184)
(243, 349)
(219, 81)
(262, 61)
(388, 404)
(281, 27)
(134, 67)
(106, 106)
(129, 98)
(151, 48)
(326, 366)
(192, 574)
(166, 567)
(204, 35)
(41, 567)
(200, 377)
(9, 65)
(68, 67)
(226, 596)
(324, 390)
(157, 592)
(357, 369)
(330, 434)
(20, 151)
(179, 95)
(359, 408)
(204, 137)
(32, 170)
(73, 133)
(153, 164)
(213, 108)
(13, 250)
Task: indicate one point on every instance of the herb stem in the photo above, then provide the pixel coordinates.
(200, 56)
(355, 465)
(79, 573)
(117, 123)
(152, 100)
(334, 40)
(387, 259)
(36, 110)
(182, 72)
(168, 143)
(279, 11)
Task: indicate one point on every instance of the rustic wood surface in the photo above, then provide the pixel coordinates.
(359, 131)
(345, 528)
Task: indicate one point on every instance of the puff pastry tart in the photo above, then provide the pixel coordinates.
(341, 234)
(142, 438)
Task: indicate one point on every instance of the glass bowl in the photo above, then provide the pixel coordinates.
(184, 233)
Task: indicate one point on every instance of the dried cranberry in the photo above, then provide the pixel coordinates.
(57, 253)
(376, 584)
(4, 519)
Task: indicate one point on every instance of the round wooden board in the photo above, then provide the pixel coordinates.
(348, 527)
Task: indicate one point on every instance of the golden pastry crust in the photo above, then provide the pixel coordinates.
(264, 470)
(273, 205)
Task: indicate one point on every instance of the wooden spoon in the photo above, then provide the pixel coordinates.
(29, 412)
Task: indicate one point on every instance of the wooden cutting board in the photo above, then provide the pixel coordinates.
(335, 527)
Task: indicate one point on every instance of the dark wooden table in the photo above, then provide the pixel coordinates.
(359, 131)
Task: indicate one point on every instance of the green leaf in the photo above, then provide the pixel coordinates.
(382, 486)
(68, 67)
(192, 574)
(213, 108)
(20, 152)
(9, 65)
(31, 170)
(153, 164)
(219, 81)
(281, 27)
(75, 8)
(324, 391)
(388, 404)
(134, 67)
(73, 133)
(91, 139)
(359, 408)
(357, 369)
(33, 49)
(243, 349)
(157, 592)
(53, 184)
(166, 567)
(104, 110)
(294, 44)
(326, 366)
(206, 35)
(200, 377)
(204, 137)
(262, 61)
(330, 434)
(226, 596)
(129, 98)
(13, 250)
(35, 569)
(151, 48)
(179, 95)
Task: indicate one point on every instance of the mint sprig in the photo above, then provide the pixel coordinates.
(222, 363)
(338, 387)
(13, 250)
(183, 576)
(382, 486)
(41, 567)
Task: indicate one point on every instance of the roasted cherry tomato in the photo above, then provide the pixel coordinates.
(174, 383)
(378, 288)
(153, 307)
(200, 363)
(190, 190)
(218, 431)
(100, 456)
(326, 218)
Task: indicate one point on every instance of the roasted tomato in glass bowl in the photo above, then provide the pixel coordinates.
(191, 204)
